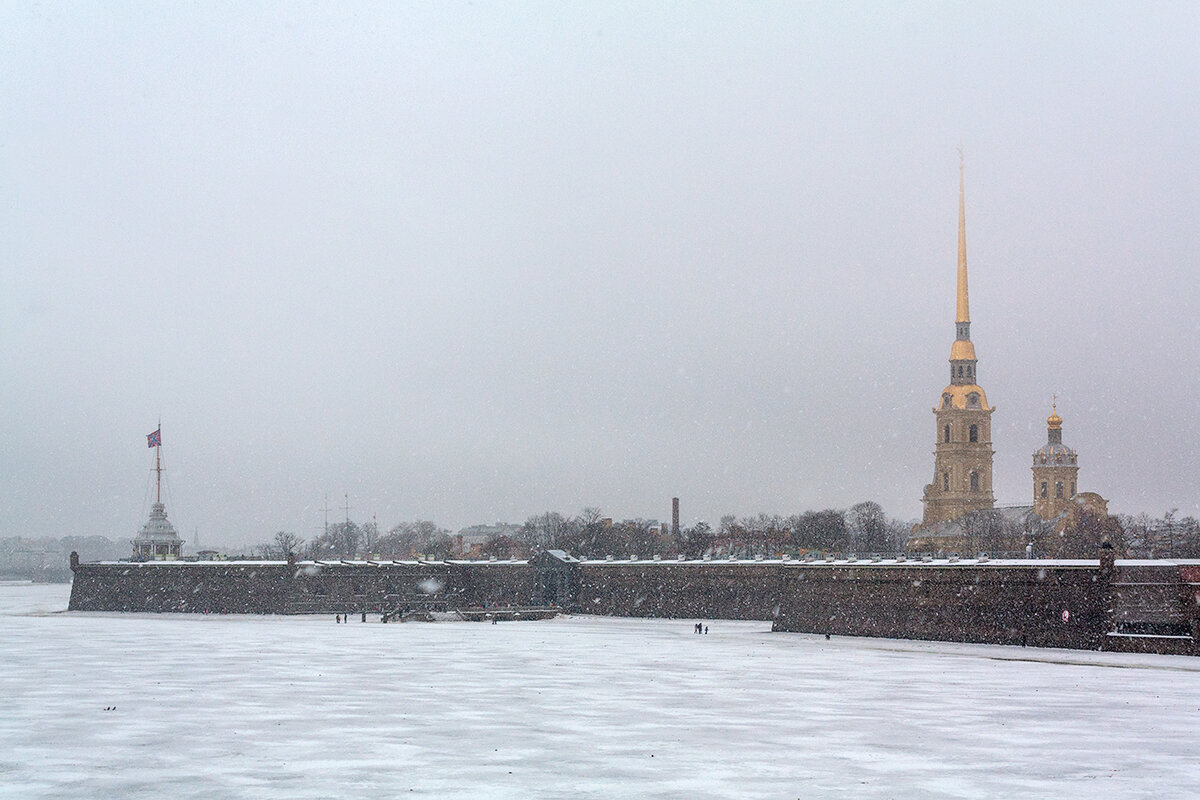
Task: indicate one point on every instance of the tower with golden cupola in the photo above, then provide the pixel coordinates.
(962, 465)
(1055, 471)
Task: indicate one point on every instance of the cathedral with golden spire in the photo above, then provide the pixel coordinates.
(962, 466)
(960, 507)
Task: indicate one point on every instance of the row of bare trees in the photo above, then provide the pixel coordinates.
(350, 540)
(864, 528)
(1168, 536)
(861, 529)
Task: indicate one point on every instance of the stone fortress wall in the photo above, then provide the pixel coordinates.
(1145, 606)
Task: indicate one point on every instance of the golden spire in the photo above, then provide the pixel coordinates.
(964, 310)
(962, 349)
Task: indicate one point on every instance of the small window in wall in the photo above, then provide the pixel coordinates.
(970, 372)
(1043, 488)
(1072, 488)
(974, 433)
(1058, 489)
(945, 481)
(946, 434)
(974, 481)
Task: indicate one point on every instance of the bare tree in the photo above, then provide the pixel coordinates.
(409, 539)
(543, 530)
(285, 544)
(820, 530)
(695, 541)
(370, 536)
(341, 540)
(868, 527)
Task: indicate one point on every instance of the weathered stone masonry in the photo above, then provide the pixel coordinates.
(1124, 605)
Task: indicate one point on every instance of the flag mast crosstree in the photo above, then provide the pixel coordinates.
(155, 440)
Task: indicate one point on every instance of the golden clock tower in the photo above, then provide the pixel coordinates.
(962, 471)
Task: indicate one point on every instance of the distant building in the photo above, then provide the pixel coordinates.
(469, 541)
(1055, 471)
(960, 508)
(962, 470)
(1053, 525)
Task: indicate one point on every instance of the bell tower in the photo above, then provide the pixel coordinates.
(962, 466)
(1055, 471)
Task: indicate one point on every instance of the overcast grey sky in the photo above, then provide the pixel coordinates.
(472, 262)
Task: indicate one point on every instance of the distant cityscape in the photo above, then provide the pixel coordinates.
(45, 559)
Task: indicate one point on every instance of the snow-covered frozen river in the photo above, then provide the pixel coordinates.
(180, 706)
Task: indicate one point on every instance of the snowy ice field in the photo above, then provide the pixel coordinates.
(580, 707)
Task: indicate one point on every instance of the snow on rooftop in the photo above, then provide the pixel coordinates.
(192, 706)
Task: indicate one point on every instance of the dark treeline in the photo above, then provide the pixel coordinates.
(862, 529)
(1168, 536)
(361, 540)
(1079, 535)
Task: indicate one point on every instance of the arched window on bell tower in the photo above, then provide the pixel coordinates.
(974, 481)
(1058, 489)
(945, 481)
(946, 434)
(1043, 488)
(974, 433)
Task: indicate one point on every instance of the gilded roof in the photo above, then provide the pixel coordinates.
(1054, 420)
(963, 397)
(962, 350)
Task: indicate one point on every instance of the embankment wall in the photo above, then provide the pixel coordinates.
(277, 587)
(1133, 606)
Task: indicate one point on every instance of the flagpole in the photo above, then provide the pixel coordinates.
(158, 464)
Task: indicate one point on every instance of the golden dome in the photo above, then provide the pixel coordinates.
(1054, 421)
(962, 350)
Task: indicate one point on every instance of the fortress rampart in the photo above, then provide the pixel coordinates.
(1144, 606)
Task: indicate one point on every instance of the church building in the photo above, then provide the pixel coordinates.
(962, 467)
(1055, 471)
(960, 508)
